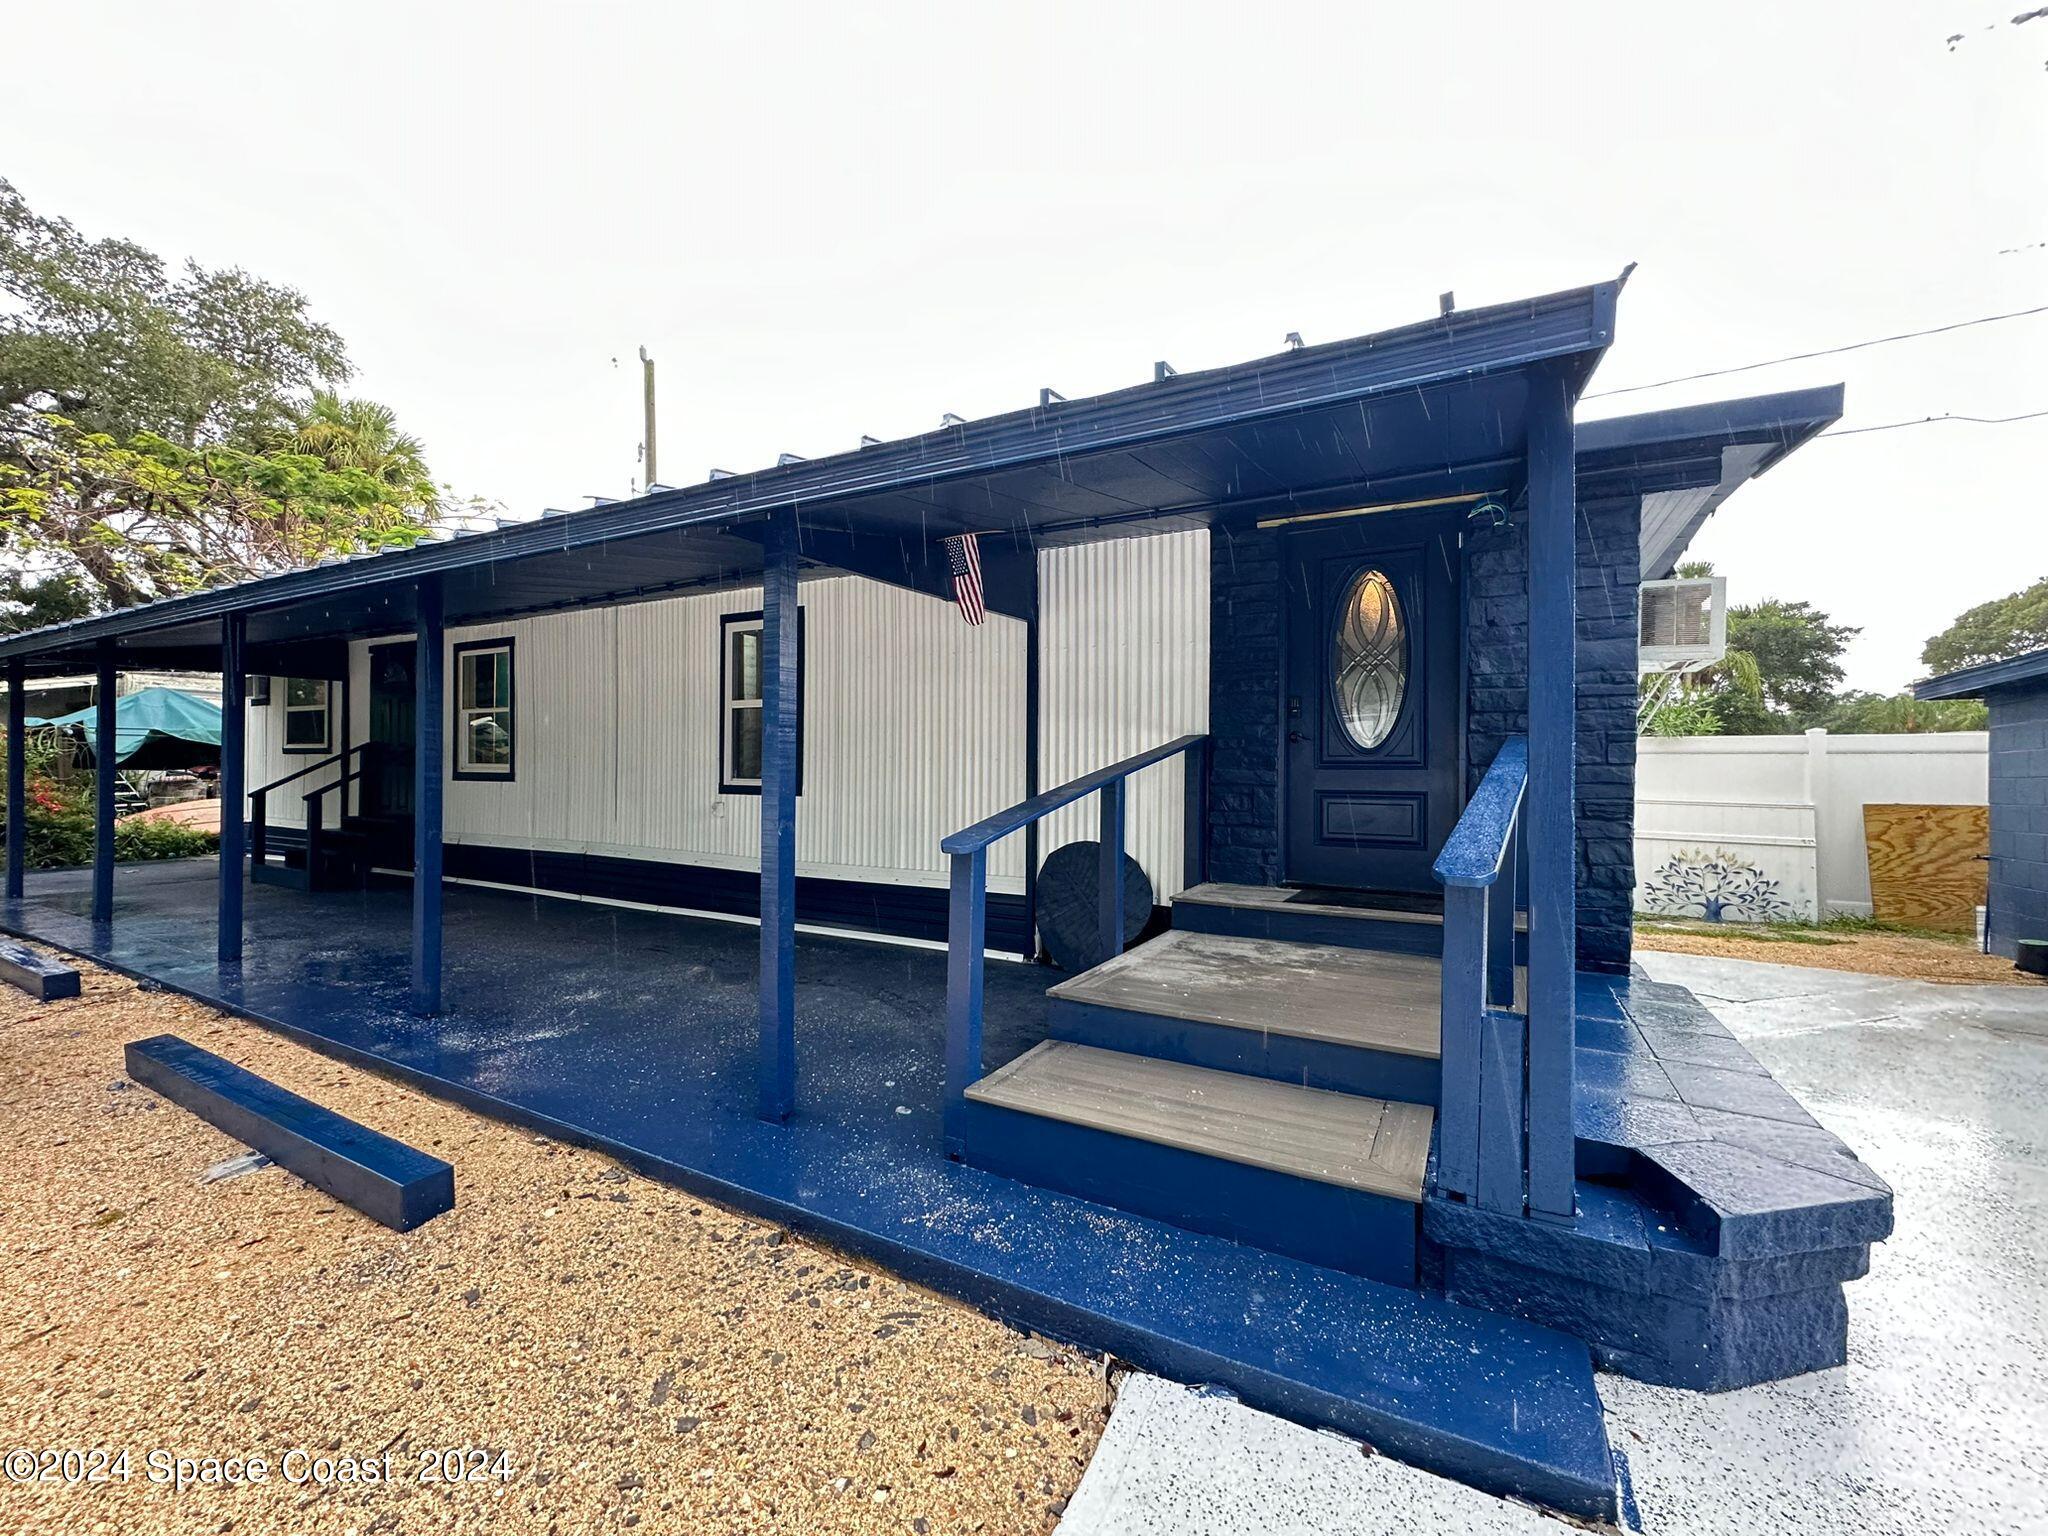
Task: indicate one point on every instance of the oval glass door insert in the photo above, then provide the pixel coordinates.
(1370, 659)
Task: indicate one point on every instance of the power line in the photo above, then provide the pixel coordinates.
(1921, 421)
(1800, 357)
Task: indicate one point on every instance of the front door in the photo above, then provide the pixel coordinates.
(387, 783)
(1371, 701)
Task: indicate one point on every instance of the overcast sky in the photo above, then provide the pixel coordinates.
(831, 220)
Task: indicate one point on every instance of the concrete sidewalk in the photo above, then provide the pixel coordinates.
(1939, 1422)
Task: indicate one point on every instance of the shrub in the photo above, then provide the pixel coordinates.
(140, 838)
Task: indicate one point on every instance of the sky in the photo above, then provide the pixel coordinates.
(825, 221)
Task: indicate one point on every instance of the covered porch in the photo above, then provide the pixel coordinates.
(635, 1032)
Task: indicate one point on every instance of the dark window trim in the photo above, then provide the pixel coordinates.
(509, 646)
(286, 710)
(726, 621)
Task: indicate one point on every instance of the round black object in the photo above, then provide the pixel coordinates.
(1068, 883)
(2032, 957)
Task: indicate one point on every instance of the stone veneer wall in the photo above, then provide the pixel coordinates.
(1497, 648)
(1245, 686)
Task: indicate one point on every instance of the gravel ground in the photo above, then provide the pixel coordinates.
(640, 1357)
(1908, 956)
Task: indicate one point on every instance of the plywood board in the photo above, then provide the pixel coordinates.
(1927, 866)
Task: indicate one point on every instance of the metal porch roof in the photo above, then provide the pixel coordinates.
(1426, 403)
(1684, 462)
(1986, 677)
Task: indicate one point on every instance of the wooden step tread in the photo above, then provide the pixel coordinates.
(1292, 902)
(1332, 1138)
(1357, 997)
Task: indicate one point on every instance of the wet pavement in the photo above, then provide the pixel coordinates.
(1939, 1422)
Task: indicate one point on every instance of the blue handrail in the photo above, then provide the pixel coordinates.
(1478, 846)
(1482, 1145)
(994, 828)
(967, 919)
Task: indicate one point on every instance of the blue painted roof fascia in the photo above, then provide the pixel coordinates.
(1789, 419)
(1986, 677)
(1577, 324)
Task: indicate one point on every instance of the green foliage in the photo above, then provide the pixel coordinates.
(107, 337)
(160, 433)
(1900, 714)
(1687, 712)
(60, 822)
(1994, 631)
(140, 838)
(1798, 653)
(120, 523)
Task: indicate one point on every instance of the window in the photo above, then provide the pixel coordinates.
(739, 693)
(1370, 659)
(257, 689)
(305, 715)
(484, 710)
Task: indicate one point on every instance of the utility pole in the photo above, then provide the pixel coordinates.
(647, 406)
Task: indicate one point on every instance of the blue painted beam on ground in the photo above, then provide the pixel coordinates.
(40, 976)
(636, 1034)
(383, 1178)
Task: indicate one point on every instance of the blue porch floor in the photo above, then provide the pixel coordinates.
(634, 1032)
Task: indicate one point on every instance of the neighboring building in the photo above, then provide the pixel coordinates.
(49, 697)
(2016, 692)
(1339, 644)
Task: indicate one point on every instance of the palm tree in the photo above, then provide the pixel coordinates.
(363, 435)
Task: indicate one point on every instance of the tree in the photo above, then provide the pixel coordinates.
(1874, 714)
(1797, 653)
(106, 337)
(363, 435)
(160, 433)
(1993, 631)
(116, 523)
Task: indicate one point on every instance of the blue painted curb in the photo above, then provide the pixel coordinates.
(384, 1179)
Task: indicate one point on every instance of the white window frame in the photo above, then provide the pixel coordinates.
(729, 625)
(323, 708)
(463, 714)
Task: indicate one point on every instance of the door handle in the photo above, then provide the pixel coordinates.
(1296, 736)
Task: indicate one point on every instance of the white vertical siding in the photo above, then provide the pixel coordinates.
(913, 727)
(1123, 666)
(914, 723)
(268, 761)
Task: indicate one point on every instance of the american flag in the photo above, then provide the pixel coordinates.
(963, 555)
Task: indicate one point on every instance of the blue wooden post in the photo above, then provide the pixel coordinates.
(430, 732)
(234, 720)
(1551, 850)
(1194, 845)
(966, 937)
(1500, 931)
(104, 748)
(778, 818)
(1462, 1006)
(17, 776)
(1109, 911)
(1500, 1112)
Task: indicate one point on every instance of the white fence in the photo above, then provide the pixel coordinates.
(1753, 827)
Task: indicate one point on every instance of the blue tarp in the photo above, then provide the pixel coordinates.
(156, 728)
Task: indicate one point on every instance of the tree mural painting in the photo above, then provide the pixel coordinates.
(1718, 887)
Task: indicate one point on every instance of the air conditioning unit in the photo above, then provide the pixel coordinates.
(1683, 624)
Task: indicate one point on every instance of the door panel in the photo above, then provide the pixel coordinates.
(387, 786)
(1371, 702)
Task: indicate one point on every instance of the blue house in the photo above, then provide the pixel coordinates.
(1288, 706)
(2016, 693)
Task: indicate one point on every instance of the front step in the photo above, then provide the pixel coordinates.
(1311, 917)
(1331, 1178)
(1318, 1016)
